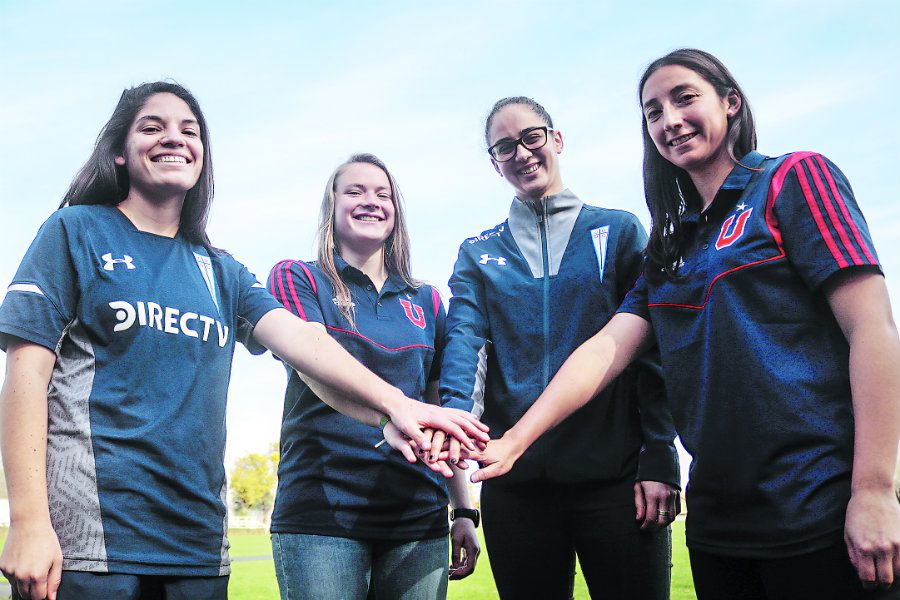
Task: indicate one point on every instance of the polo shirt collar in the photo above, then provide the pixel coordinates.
(731, 189)
(742, 172)
(394, 282)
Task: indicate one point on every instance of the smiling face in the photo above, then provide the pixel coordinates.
(687, 119)
(534, 174)
(363, 207)
(163, 153)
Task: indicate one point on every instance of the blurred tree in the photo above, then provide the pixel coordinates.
(253, 480)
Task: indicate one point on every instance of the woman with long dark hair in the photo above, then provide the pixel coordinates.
(119, 328)
(526, 293)
(779, 351)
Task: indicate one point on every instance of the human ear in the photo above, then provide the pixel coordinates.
(558, 140)
(119, 160)
(734, 103)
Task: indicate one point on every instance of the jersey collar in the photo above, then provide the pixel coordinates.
(742, 172)
(351, 274)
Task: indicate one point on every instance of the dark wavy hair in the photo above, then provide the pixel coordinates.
(102, 181)
(668, 189)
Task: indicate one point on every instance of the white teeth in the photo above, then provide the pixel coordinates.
(367, 218)
(168, 158)
(530, 169)
(682, 139)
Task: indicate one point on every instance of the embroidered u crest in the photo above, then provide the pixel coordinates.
(414, 313)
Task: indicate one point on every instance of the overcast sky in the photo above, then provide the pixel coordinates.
(291, 90)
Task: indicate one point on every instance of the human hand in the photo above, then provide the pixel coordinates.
(872, 534)
(408, 448)
(412, 417)
(32, 560)
(496, 459)
(464, 548)
(656, 504)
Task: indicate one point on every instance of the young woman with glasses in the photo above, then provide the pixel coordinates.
(779, 351)
(352, 519)
(119, 329)
(526, 293)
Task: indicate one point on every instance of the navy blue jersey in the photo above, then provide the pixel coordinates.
(756, 367)
(144, 328)
(331, 478)
(526, 294)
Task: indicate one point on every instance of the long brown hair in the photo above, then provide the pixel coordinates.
(669, 189)
(101, 181)
(396, 246)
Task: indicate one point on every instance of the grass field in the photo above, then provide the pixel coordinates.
(255, 579)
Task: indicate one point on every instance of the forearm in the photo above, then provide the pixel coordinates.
(458, 486)
(875, 385)
(342, 403)
(587, 371)
(23, 432)
(311, 351)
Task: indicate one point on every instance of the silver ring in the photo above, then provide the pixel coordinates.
(663, 513)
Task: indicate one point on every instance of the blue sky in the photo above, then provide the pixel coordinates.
(291, 91)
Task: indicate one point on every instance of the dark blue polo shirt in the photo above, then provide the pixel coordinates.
(331, 479)
(756, 367)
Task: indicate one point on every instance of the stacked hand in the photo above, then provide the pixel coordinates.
(439, 436)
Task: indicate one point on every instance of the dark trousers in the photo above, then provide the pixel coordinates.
(823, 575)
(80, 585)
(533, 533)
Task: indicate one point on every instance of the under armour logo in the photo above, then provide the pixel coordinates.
(486, 258)
(111, 262)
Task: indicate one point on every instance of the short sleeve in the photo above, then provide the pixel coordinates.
(254, 302)
(440, 333)
(812, 209)
(42, 299)
(635, 301)
(292, 283)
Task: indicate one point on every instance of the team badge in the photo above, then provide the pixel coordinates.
(486, 258)
(414, 313)
(109, 263)
(733, 229)
(600, 236)
(209, 276)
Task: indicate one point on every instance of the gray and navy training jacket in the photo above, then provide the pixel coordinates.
(526, 294)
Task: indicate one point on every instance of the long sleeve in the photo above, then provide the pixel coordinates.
(464, 363)
(658, 460)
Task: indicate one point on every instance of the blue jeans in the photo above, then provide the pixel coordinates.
(81, 585)
(319, 567)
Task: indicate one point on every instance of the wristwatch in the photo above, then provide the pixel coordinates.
(467, 513)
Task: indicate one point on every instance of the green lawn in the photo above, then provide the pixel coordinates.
(255, 579)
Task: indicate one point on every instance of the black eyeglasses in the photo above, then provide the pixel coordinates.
(532, 139)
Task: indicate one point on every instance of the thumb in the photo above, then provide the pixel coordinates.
(640, 503)
(488, 472)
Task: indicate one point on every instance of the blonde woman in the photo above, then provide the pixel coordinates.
(353, 520)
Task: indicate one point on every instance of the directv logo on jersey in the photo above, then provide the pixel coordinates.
(486, 236)
(111, 262)
(167, 319)
(486, 258)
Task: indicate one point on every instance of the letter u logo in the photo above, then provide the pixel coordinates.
(414, 313)
(725, 238)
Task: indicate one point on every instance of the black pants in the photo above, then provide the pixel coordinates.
(823, 575)
(533, 533)
(79, 585)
